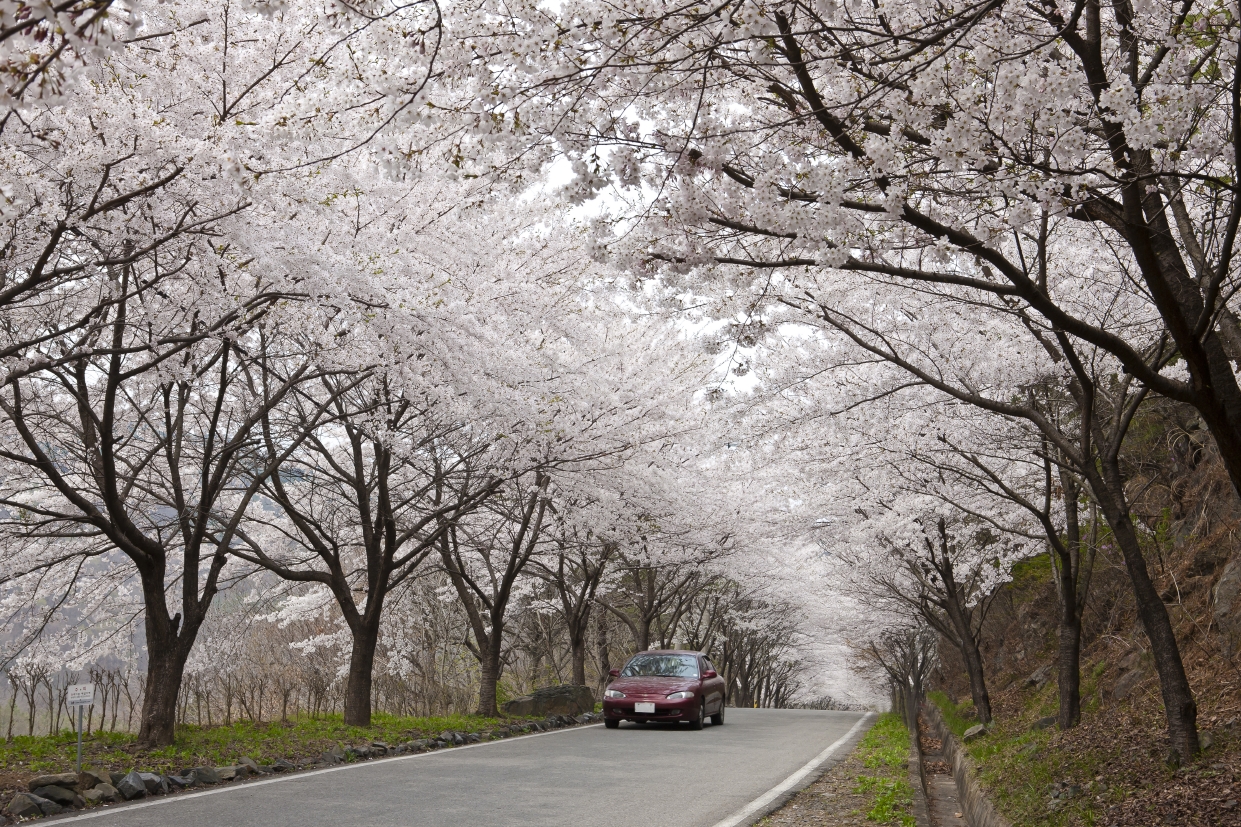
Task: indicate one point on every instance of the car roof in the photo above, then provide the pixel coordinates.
(668, 652)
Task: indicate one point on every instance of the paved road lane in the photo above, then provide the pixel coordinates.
(636, 776)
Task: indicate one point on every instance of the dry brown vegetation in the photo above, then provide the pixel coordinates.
(1118, 756)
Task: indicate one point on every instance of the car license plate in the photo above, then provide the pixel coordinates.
(644, 708)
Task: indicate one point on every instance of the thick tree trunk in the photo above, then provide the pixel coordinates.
(1178, 296)
(168, 643)
(578, 654)
(1178, 699)
(361, 671)
(165, 671)
(911, 702)
(578, 625)
(489, 676)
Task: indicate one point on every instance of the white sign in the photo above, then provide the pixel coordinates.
(82, 694)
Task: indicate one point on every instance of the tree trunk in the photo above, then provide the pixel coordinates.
(1179, 299)
(489, 676)
(978, 683)
(578, 646)
(1069, 663)
(361, 669)
(910, 699)
(605, 662)
(168, 644)
(962, 622)
(1073, 568)
(165, 670)
(1178, 699)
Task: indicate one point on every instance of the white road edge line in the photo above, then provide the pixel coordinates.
(758, 806)
(107, 811)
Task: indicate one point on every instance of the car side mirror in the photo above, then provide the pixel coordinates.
(614, 673)
(710, 673)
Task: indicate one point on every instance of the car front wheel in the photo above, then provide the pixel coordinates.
(697, 722)
(612, 724)
(718, 718)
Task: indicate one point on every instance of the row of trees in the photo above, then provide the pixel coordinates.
(1025, 217)
(255, 664)
(253, 330)
(953, 254)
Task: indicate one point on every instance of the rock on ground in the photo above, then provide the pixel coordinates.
(90, 779)
(204, 775)
(23, 805)
(566, 699)
(1226, 604)
(1127, 683)
(29, 805)
(62, 779)
(154, 782)
(132, 786)
(60, 795)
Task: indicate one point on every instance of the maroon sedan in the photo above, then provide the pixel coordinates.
(667, 685)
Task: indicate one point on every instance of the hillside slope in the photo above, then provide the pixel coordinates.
(1112, 770)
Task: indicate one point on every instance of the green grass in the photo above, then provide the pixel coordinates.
(301, 737)
(1031, 573)
(1017, 766)
(956, 717)
(885, 751)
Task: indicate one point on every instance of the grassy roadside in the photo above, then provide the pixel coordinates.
(301, 737)
(884, 753)
(1022, 768)
(870, 785)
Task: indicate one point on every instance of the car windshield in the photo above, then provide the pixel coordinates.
(661, 666)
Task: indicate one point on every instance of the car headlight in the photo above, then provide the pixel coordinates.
(680, 696)
(612, 693)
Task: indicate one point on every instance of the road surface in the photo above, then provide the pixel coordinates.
(637, 776)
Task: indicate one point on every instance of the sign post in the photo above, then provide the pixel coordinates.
(81, 695)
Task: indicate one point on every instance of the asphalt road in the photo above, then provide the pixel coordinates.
(637, 776)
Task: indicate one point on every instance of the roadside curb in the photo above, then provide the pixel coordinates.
(101, 812)
(778, 795)
(977, 807)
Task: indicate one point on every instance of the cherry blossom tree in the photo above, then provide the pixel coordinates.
(574, 569)
(1065, 165)
(147, 447)
(362, 505)
(945, 166)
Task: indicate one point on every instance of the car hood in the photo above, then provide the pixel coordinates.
(652, 686)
